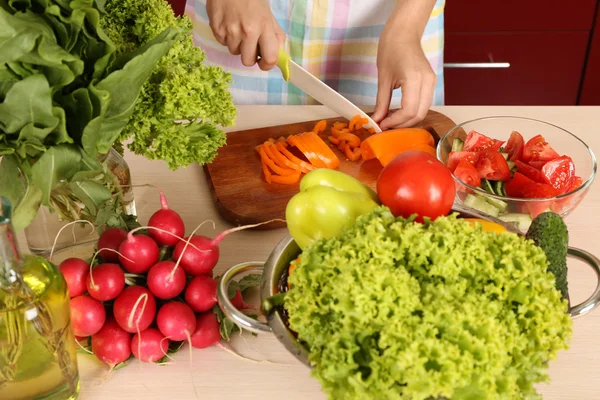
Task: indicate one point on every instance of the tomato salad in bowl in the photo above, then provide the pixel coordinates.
(515, 168)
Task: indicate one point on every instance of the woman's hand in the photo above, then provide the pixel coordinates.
(244, 26)
(401, 63)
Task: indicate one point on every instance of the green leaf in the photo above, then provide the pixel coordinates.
(232, 289)
(123, 87)
(28, 101)
(249, 281)
(227, 328)
(16, 185)
(93, 194)
(57, 164)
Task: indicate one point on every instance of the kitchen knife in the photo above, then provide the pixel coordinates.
(319, 91)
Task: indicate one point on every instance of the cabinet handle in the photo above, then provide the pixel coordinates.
(478, 65)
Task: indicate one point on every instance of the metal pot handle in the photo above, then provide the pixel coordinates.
(592, 301)
(227, 306)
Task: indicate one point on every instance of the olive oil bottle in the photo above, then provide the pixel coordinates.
(37, 347)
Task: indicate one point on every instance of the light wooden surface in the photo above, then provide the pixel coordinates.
(215, 374)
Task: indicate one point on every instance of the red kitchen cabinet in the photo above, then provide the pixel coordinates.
(590, 90)
(518, 52)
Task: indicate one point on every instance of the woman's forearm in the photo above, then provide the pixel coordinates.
(410, 18)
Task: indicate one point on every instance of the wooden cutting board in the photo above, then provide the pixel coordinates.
(243, 196)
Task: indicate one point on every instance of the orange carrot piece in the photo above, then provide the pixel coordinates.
(340, 125)
(286, 180)
(328, 156)
(280, 159)
(393, 141)
(281, 146)
(363, 122)
(334, 140)
(352, 139)
(266, 171)
(353, 154)
(353, 122)
(320, 126)
(337, 132)
(308, 152)
(371, 130)
(271, 164)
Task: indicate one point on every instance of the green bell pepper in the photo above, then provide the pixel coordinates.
(329, 201)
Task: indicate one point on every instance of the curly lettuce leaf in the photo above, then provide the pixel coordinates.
(394, 309)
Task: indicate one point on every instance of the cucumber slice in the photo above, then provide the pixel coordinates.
(521, 221)
(499, 188)
(505, 155)
(499, 204)
(480, 204)
(511, 165)
(457, 145)
(487, 186)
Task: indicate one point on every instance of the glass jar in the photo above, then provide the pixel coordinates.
(45, 228)
(37, 347)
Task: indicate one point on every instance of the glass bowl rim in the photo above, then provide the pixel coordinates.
(479, 190)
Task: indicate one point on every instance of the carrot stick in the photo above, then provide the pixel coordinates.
(280, 159)
(320, 126)
(338, 132)
(286, 180)
(353, 154)
(352, 139)
(266, 170)
(324, 152)
(272, 165)
(353, 122)
(340, 125)
(334, 140)
(281, 146)
(312, 157)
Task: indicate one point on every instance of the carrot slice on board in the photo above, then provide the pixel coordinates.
(271, 164)
(326, 154)
(353, 122)
(320, 126)
(311, 144)
(308, 152)
(353, 154)
(351, 138)
(338, 132)
(387, 158)
(281, 146)
(394, 141)
(286, 180)
(280, 159)
(266, 171)
(334, 140)
(340, 125)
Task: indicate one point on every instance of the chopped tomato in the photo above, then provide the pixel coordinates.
(530, 172)
(559, 172)
(514, 146)
(492, 166)
(537, 164)
(475, 141)
(539, 191)
(538, 149)
(466, 172)
(514, 188)
(455, 157)
(574, 183)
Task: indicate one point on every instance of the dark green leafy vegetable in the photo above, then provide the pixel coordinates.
(550, 233)
(180, 88)
(394, 309)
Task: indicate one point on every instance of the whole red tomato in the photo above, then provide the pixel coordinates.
(416, 183)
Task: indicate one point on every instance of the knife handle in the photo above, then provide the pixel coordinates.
(283, 62)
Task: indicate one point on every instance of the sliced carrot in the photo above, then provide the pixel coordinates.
(271, 164)
(363, 122)
(280, 159)
(371, 130)
(281, 146)
(387, 158)
(353, 122)
(352, 139)
(337, 132)
(307, 150)
(320, 126)
(329, 157)
(333, 140)
(394, 142)
(266, 171)
(286, 180)
(340, 125)
(311, 144)
(353, 154)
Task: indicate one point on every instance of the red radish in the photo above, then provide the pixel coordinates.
(138, 253)
(87, 316)
(134, 309)
(165, 281)
(207, 331)
(105, 282)
(203, 255)
(76, 272)
(166, 221)
(176, 320)
(239, 303)
(112, 345)
(201, 293)
(149, 345)
(81, 338)
(111, 239)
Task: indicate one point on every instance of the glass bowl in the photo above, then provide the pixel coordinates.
(491, 197)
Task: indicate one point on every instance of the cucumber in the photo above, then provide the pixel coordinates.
(499, 204)
(511, 165)
(499, 188)
(505, 155)
(521, 221)
(487, 186)
(480, 204)
(457, 145)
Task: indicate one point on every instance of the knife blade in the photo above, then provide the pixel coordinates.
(319, 91)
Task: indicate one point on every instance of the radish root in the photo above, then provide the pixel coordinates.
(189, 339)
(144, 298)
(94, 259)
(165, 353)
(164, 231)
(82, 348)
(187, 243)
(222, 235)
(74, 239)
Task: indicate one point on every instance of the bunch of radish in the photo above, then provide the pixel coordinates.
(149, 290)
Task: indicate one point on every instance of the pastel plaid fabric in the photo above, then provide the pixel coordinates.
(336, 40)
